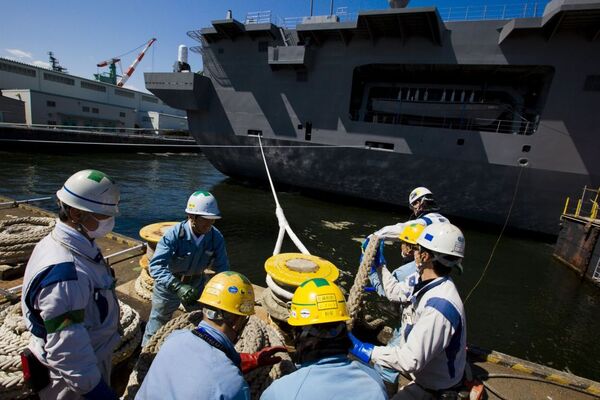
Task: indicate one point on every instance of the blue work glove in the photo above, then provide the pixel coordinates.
(101, 392)
(369, 289)
(360, 350)
(362, 249)
(379, 260)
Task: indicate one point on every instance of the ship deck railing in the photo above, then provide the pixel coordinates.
(504, 126)
(447, 14)
(101, 130)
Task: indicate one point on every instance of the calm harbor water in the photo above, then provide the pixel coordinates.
(528, 304)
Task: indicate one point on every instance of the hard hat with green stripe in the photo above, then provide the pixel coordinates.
(204, 204)
(317, 301)
(91, 190)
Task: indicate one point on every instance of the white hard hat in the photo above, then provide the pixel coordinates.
(91, 190)
(417, 193)
(444, 239)
(204, 204)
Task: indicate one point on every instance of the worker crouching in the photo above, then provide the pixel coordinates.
(202, 363)
(318, 314)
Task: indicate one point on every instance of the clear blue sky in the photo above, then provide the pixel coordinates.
(82, 33)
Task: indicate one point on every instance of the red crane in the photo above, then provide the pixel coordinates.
(130, 70)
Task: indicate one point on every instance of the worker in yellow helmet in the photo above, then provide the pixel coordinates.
(408, 239)
(387, 284)
(203, 363)
(318, 316)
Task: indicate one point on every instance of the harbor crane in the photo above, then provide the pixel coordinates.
(112, 62)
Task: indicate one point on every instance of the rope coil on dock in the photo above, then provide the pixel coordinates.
(14, 338)
(256, 335)
(18, 237)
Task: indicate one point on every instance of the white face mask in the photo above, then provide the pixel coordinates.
(104, 227)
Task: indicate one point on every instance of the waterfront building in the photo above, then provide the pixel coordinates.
(56, 98)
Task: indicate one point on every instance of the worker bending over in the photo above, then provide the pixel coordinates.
(202, 364)
(318, 315)
(181, 257)
(432, 349)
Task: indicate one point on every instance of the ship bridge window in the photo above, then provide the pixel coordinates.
(50, 103)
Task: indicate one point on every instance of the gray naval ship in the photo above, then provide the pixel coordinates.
(480, 111)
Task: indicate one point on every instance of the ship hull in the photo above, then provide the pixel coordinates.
(470, 190)
(315, 94)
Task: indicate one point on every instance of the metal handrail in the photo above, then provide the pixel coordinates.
(592, 198)
(258, 17)
(92, 129)
(447, 14)
(471, 124)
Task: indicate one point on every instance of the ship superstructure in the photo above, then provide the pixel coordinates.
(375, 105)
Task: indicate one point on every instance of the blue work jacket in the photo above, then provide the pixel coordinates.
(187, 367)
(178, 254)
(334, 377)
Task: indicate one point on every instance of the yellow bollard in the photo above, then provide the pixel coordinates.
(566, 206)
(578, 209)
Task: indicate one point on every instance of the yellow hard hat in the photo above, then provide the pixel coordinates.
(317, 301)
(229, 291)
(411, 233)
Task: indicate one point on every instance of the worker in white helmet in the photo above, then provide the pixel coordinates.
(432, 349)
(69, 302)
(424, 211)
(181, 256)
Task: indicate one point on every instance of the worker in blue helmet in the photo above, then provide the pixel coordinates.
(181, 257)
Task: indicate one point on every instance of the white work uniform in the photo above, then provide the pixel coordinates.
(70, 307)
(432, 348)
(392, 232)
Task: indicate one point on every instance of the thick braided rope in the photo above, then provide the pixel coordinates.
(360, 281)
(256, 335)
(276, 308)
(14, 338)
(18, 237)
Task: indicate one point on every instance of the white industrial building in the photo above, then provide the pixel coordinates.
(56, 98)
